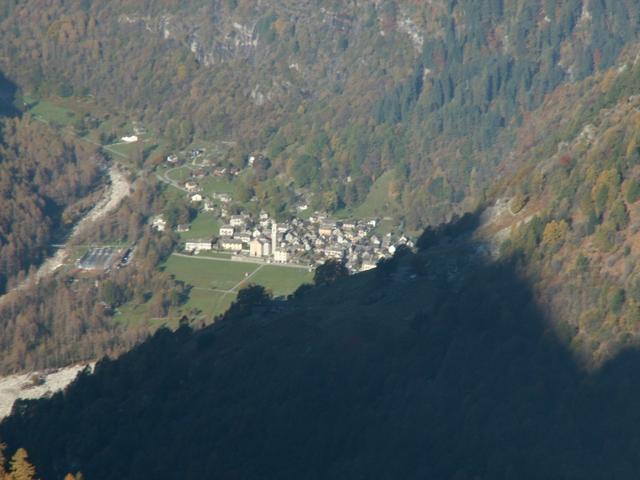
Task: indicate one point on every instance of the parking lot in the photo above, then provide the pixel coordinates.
(99, 258)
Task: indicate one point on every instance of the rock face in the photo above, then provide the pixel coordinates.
(215, 35)
(211, 42)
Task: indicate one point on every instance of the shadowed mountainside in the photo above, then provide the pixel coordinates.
(433, 366)
(8, 91)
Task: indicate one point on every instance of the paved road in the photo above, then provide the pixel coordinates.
(166, 179)
(247, 260)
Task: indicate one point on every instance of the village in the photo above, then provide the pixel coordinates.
(307, 241)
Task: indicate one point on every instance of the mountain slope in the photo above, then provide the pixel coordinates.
(423, 89)
(573, 211)
(433, 366)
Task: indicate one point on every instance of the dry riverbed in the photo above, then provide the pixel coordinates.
(34, 385)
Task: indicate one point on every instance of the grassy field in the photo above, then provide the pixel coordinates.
(377, 199)
(172, 192)
(131, 314)
(216, 283)
(215, 255)
(204, 226)
(215, 150)
(179, 174)
(211, 185)
(214, 286)
(385, 226)
(207, 303)
(52, 113)
(64, 112)
(377, 202)
(127, 149)
(281, 280)
(212, 274)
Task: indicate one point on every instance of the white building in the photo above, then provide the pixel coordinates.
(159, 223)
(255, 248)
(325, 230)
(274, 238)
(223, 197)
(230, 244)
(266, 247)
(244, 237)
(335, 252)
(191, 186)
(198, 245)
(196, 198)
(259, 247)
(226, 231)
(281, 256)
(237, 221)
(349, 225)
(129, 139)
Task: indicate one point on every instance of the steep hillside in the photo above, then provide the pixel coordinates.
(434, 366)
(46, 181)
(570, 209)
(51, 183)
(503, 348)
(423, 89)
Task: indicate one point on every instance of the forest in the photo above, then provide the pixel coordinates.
(45, 182)
(435, 366)
(428, 91)
(578, 188)
(479, 100)
(69, 318)
(506, 346)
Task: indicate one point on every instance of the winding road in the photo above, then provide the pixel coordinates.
(166, 179)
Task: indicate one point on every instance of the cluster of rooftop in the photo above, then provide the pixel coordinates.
(300, 241)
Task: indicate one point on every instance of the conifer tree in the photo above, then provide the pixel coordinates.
(21, 468)
(4, 475)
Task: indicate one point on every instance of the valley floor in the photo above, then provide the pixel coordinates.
(116, 192)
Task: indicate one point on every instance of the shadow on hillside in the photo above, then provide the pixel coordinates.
(449, 371)
(456, 231)
(8, 93)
